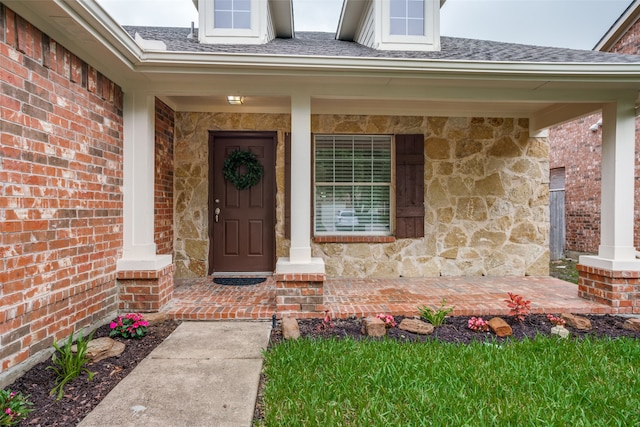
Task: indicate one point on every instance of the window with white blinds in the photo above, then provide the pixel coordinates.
(352, 184)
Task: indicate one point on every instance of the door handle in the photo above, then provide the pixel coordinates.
(216, 212)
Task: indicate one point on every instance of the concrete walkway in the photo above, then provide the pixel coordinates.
(203, 374)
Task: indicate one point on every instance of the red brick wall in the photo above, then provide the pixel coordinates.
(629, 42)
(164, 128)
(578, 149)
(60, 194)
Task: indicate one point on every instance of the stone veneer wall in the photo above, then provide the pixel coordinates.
(486, 196)
(191, 185)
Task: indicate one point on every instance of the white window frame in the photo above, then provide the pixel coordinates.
(254, 35)
(391, 187)
(430, 41)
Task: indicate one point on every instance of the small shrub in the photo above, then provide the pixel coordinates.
(388, 320)
(68, 365)
(14, 407)
(131, 325)
(520, 307)
(435, 317)
(556, 321)
(478, 324)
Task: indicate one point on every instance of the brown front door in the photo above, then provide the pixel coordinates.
(242, 233)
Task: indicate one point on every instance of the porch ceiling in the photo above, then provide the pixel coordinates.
(365, 106)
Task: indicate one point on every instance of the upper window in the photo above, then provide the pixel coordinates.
(408, 25)
(352, 184)
(234, 21)
(234, 14)
(406, 17)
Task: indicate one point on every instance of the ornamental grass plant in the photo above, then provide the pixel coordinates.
(541, 381)
(68, 364)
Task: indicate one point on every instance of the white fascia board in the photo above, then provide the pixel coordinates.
(606, 72)
(97, 22)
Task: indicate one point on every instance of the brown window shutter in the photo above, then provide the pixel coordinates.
(287, 185)
(409, 186)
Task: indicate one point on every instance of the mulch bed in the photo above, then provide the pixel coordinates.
(81, 396)
(455, 329)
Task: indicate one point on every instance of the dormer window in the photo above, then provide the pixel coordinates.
(244, 21)
(232, 14)
(409, 25)
(392, 24)
(406, 17)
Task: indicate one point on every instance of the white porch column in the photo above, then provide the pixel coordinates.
(616, 251)
(300, 259)
(138, 186)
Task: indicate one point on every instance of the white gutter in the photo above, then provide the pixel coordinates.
(465, 67)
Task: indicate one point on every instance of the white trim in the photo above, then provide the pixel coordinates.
(157, 263)
(313, 266)
(469, 70)
(609, 264)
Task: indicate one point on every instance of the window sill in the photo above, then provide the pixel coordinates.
(354, 239)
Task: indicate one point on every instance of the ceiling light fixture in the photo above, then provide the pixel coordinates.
(235, 99)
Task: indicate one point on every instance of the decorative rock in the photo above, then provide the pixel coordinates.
(578, 322)
(500, 327)
(155, 318)
(290, 328)
(102, 348)
(561, 331)
(632, 324)
(416, 326)
(373, 327)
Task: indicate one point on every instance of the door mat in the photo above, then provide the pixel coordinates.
(238, 281)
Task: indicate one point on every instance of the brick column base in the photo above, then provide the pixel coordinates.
(618, 289)
(145, 291)
(300, 295)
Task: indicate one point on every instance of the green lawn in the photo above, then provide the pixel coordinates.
(541, 382)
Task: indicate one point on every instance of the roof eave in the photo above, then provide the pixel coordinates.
(469, 68)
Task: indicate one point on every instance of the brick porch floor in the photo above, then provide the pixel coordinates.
(201, 299)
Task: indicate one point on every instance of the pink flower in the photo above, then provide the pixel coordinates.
(113, 325)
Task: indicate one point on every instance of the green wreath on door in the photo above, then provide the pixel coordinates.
(233, 165)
